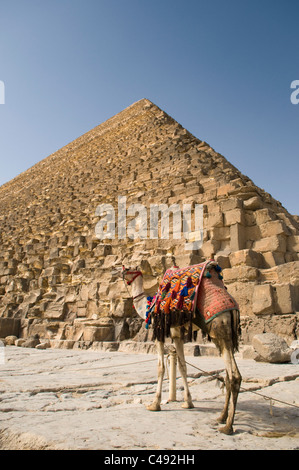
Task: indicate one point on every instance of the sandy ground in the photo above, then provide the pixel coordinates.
(72, 399)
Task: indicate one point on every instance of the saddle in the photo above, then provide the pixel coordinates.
(195, 294)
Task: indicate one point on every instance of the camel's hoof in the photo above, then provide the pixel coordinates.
(221, 419)
(187, 405)
(227, 430)
(154, 407)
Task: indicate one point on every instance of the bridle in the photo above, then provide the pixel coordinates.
(128, 283)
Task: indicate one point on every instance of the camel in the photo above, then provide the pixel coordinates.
(222, 330)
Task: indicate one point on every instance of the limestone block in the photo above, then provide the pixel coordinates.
(237, 237)
(293, 243)
(209, 248)
(222, 260)
(215, 220)
(220, 233)
(9, 327)
(226, 189)
(124, 308)
(274, 258)
(102, 250)
(284, 296)
(262, 300)
(98, 333)
(254, 203)
(253, 233)
(271, 348)
(241, 274)
(53, 310)
(235, 216)
(274, 243)
(242, 292)
(231, 203)
(187, 259)
(247, 257)
(274, 227)
(31, 342)
(10, 340)
(264, 215)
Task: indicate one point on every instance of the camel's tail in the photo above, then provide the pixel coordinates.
(236, 329)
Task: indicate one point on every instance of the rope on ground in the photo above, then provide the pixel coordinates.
(214, 375)
(218, 377)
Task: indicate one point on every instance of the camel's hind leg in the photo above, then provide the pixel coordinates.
(221, 332)
(155, 406)
(233, 383)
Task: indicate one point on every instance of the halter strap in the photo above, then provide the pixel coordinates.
(136, 274)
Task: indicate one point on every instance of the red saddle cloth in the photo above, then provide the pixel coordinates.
(201, 285)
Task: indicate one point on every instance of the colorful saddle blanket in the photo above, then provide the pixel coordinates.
(182, 290)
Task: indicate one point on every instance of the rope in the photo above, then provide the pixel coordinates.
(218, 377)
(213, 374)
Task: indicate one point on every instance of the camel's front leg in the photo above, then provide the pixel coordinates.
(179, 345)
(155, 406)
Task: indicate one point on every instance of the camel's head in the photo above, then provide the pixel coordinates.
(130, 275)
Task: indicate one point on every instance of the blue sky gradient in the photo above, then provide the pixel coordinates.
(223, 69)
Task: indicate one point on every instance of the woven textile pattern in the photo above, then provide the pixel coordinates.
(201, 283)
(177, 289)
(213, 298)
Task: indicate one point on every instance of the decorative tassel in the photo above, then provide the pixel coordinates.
(180, 303)
(220, 276)
(167, 305)
(208, 274)
(184, 291)
(173, 294)
(167, 287)
(218, 268)
(189, 283)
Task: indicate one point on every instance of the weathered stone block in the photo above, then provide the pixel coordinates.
(271, 348)
(241, 274)
(209, 248)
(293, 243)
(235, 216)
(98, 333)
(247, 257)
(283, 294)
(274, 227)
(254, 203)
(274, 243)
(237, 237)
(231, 203)
(243, 293)
(264, 215)
(262, 300)
(274, 258)
(222, 260)
(9, 327)
(215, 220)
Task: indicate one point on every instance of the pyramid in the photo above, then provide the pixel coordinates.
(57, 276)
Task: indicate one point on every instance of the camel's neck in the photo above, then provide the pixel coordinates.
(139, 301)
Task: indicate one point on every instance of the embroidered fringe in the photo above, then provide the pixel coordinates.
(175, 318)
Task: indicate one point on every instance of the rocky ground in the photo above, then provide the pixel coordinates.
(72, 399)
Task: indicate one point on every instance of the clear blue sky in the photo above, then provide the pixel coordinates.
(222, 68)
